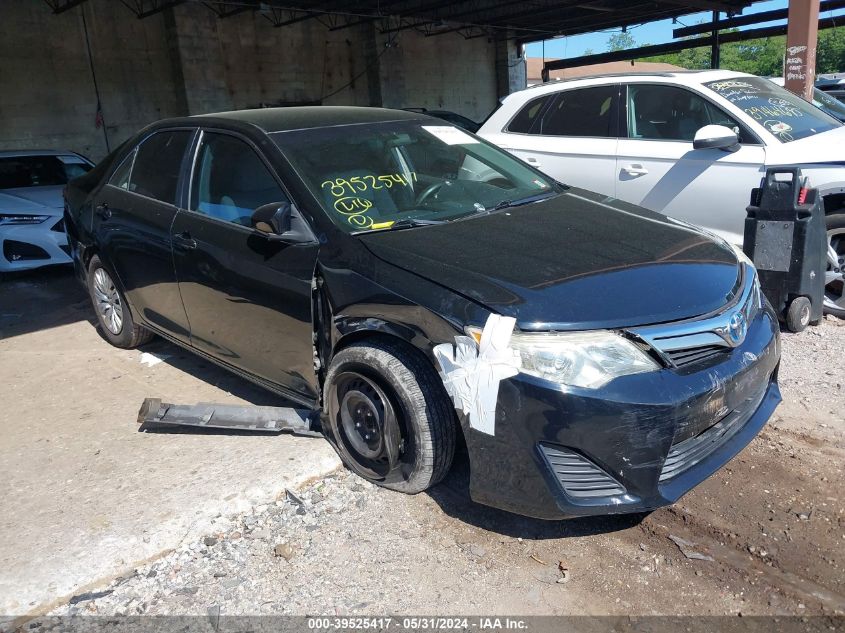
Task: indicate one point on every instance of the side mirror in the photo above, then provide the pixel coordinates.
(716, 137)
(282, 222)
(273, 218)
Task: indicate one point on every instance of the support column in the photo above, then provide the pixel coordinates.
(510, 67)
(801, 41)
(715, 48)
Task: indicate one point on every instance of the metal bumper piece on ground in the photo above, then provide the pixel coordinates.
(232, 417)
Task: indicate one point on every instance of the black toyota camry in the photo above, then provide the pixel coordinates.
(412, 282)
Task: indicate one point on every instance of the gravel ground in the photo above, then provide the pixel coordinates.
(763, 536)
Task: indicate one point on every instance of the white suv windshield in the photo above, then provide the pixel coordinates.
(787, 116)
(402, 173)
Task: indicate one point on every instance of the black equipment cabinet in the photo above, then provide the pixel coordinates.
(785, 238)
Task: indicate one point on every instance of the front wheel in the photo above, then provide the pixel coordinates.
(389, 416)
(834, 289)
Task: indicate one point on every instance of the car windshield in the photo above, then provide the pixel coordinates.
(831, 105)
(405, 173)
(787, 116)
(40, 171)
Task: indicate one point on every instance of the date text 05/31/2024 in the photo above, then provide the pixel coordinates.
(416, 624)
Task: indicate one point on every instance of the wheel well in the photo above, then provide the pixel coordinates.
(372, 335)
(834, 203)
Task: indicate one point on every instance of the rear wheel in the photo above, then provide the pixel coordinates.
(113, 314)
(389, 416)
(834, 290)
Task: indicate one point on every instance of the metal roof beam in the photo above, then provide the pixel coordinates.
(147, 8)
(705, 5)
(745, 20)
(672, 47)
(60, 6)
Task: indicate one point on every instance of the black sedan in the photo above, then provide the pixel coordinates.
(412, 282)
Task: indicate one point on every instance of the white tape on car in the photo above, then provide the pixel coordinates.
(471, 373)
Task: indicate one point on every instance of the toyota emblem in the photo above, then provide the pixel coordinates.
(737, 328)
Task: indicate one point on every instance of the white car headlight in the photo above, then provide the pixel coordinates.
(580, 359)
(8, 218)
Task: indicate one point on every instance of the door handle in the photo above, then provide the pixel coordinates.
(533, 161)
(635, 170)
(184, 240)
(103, 211)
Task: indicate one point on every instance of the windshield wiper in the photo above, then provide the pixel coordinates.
(507, 204)
(398, 225)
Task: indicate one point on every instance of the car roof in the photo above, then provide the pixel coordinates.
(14, 153)
(304, 117)
(687, 77)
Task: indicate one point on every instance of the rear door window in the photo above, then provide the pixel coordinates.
(158, 161)
(583, 112)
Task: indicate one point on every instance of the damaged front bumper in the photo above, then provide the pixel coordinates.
(639, 443)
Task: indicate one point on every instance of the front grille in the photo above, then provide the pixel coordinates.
(579, 477)
(687, 356)
(688, 452)
(15, 251)
(684, 343)
(59, 226)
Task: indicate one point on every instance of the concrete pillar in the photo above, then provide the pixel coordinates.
(510, 67)
(801, 42)
(372, 56)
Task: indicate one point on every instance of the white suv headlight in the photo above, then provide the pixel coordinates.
(580, 359)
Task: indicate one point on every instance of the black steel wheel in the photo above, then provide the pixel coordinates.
(388, 415)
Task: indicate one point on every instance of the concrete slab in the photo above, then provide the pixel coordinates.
(86, 496)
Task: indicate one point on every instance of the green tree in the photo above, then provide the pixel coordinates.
(762, 57)
(621, 41)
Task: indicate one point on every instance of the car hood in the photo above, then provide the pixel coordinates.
(576, 261)
(819, 148)
(35, 200)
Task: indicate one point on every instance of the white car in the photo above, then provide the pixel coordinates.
(689, 144)
(32, 232)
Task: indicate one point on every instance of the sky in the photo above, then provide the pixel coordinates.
(653, 33)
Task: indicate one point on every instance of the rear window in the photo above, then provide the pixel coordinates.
(40, 171)
(530, 113)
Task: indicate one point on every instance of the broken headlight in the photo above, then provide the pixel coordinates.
(580, 359)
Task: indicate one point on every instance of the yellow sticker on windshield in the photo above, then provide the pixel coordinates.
(383, 225)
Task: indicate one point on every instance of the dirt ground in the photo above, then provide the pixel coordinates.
(764, 536)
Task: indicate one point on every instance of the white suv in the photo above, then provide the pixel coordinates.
(691, 145)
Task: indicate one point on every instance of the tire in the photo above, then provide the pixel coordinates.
(113, 314)
(834, 300)
(798, 314)
(388, 415)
